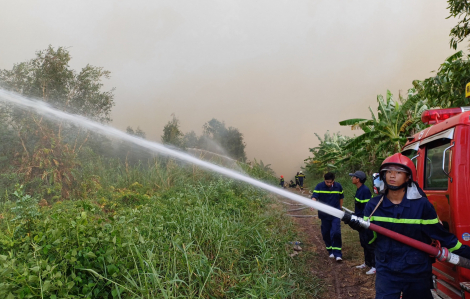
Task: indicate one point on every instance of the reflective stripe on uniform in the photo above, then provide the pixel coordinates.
(333, 248)
(456, 247)
(402, 221)
(329, 192)
(373, 239)
(362, 201)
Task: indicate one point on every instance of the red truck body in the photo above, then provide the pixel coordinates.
(442, 158)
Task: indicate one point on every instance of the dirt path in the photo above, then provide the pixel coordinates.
(341, 279)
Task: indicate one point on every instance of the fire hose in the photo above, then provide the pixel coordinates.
(442, 254)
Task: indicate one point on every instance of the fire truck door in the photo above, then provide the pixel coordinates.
(436, 182)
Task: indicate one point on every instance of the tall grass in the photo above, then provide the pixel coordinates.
(157, 229)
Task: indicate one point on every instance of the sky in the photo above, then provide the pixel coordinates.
(279, 71)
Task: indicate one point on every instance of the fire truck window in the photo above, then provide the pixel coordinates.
(435, 178)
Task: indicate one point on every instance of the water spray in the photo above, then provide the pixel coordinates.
(57, 115)
(46, 110)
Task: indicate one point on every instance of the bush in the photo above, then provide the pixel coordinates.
(212, 238)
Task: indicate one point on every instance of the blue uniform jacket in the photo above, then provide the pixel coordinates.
(330, 196)
(361, 198)
(416, 219)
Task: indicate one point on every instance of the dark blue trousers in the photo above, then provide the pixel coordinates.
(331, 233)
(386, 288)
(365, 236)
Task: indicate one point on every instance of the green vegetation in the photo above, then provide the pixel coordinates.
(386, 131)
(85, 216)
(137, 132)
(42, 154)
(459, 9)
(216, 138)
(172, 134)
(174, 232)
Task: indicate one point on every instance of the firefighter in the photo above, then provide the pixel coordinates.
(297, 183)
(292, 184)
(403, 209)
(301, 177)
(331, 193)
(361, 198)
(377, 182)
(281, 182)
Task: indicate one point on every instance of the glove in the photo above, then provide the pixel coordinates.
(353, 223)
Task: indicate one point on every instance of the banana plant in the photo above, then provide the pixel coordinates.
(327, 153)
(385, 133)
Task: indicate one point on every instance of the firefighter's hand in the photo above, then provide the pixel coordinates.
(354, 224)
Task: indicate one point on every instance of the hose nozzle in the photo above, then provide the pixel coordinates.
(445, 255)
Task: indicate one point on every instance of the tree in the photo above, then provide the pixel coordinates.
(130, 131)
(230, 139)
(327, 153)
(172, 133)
(388, 131)
(459, 9)
(383, 135)
(190, 140)
(48, 149)
(49, 78)
(138, 132)
(447, 88)
(265, 167)
(233, 142)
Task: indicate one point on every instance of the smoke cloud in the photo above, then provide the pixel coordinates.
(279, 71)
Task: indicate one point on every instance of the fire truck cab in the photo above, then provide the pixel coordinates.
(442, 157)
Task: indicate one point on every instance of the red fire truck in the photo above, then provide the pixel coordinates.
(442, 158)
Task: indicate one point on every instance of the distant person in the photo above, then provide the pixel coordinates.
(331, 193)
(297, 183)
(292, 184)
(301, 180)
(366, 236)
(281, 182)
(378, 183)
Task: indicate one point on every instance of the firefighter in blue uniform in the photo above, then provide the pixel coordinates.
(361, 198)
(331, 193)
(281, 182)
(297, 183)
(301, 177)
(402, 208)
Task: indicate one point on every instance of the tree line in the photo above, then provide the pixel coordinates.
(46, 155)
(216, 138)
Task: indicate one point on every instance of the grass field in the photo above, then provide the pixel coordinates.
(161, 230)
